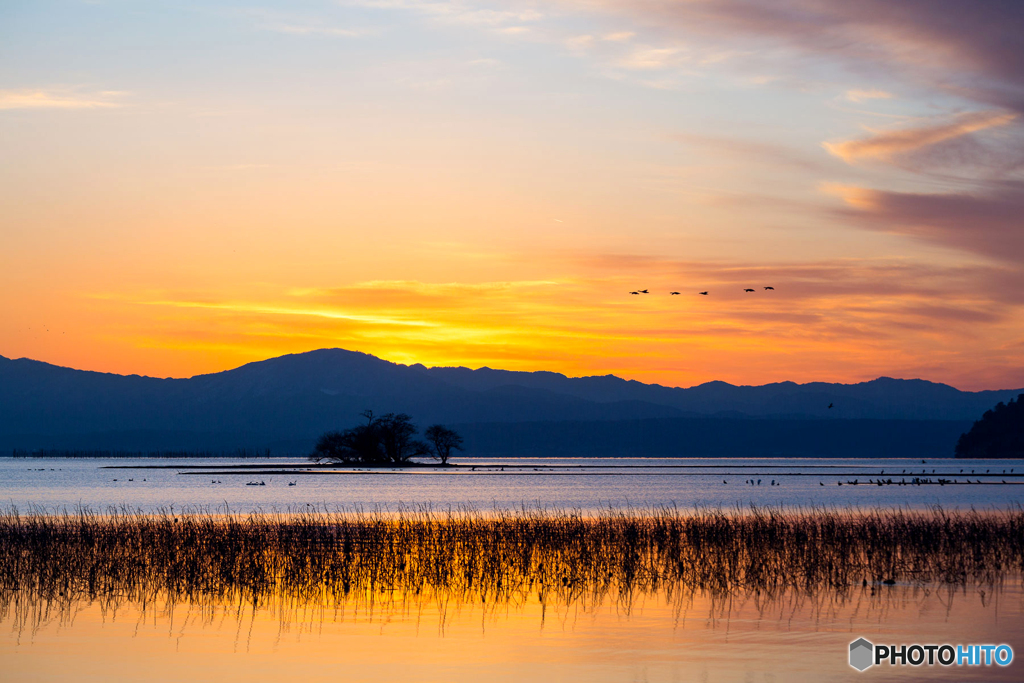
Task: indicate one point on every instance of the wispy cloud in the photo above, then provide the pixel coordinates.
(268, 309)
(862, 95)
(978, 55)
(297, 24)
(649, 58)
(579, 42)
(455, 11)
(987, 224)
(884, 145)
(754, 151)
(57, 99)
(305, 29)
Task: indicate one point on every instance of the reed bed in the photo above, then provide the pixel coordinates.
(329, 560)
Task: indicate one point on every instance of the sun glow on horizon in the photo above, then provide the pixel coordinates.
(481, 184)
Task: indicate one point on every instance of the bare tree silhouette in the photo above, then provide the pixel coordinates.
(443, 441)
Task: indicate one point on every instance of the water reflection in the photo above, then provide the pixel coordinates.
(656, 595)
(696, 637)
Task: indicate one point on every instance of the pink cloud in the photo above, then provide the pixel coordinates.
(989, 224)
(886, 144)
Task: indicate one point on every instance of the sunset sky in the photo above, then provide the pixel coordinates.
(189, 186)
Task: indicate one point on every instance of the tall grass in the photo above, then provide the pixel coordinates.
(55, 563)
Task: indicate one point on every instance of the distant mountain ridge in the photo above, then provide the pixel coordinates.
(882, 398)
(297, 396)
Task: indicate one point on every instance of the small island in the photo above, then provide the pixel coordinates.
(386, 440)
(998, 434)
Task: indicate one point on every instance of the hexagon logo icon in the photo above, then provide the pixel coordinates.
(861, 654)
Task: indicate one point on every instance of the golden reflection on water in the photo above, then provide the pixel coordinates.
(431, 637)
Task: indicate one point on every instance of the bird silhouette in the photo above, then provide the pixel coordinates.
(703, 293)
(644, 291)
(634, 292)
(748, 290)
(673, 293)
(771, 288)
(829, 405)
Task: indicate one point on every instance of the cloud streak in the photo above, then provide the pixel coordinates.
(303, 30)
(262, 309)
(862, 95)
(48, 99)
(885, 145)
(988, 225)
(456, 12)
(754, 151)
(979, 55)
(841, 319)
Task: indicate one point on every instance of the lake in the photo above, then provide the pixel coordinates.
(660, 634)
(574, 483)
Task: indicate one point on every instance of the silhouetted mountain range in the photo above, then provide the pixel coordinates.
(882, 398)
(295, 397)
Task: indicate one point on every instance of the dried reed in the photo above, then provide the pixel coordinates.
(327, 560)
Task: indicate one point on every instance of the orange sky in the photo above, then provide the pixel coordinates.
(463, 183)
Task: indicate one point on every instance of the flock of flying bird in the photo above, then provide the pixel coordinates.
(644, 291)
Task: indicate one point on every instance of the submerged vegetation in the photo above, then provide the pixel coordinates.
(54, 564)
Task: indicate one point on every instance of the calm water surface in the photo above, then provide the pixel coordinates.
(587, 484)
(656, 637)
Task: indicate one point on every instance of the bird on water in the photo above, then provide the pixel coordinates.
(748, 290)
(703, 293)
